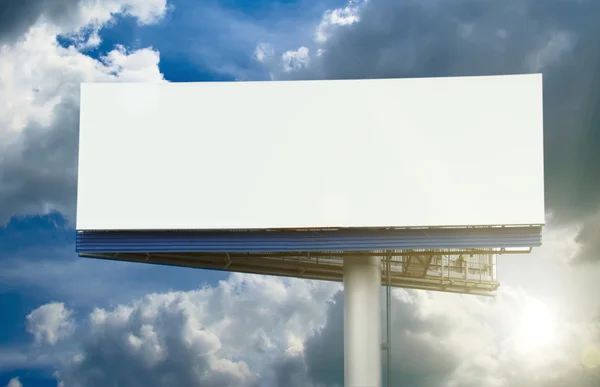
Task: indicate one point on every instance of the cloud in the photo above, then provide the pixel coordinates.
(14, 382)
(410, 38)
(18, 16)
(588, 238)
(339, 17)
(221, 336)
(50, 323)
(263, 52)
(39, 127)
(295, 60)
(449, 340)
(71, 16)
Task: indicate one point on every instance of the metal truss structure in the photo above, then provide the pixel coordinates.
(471, 271)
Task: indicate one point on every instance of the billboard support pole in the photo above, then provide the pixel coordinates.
(362, 321)
(388, 319)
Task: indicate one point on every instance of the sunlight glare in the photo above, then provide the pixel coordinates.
(536, 327)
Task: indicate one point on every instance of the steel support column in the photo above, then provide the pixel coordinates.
(362, 321)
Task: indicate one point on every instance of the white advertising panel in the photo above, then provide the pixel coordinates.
(311, 154)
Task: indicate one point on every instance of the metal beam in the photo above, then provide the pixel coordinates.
(328, 271)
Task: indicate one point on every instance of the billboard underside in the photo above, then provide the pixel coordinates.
(453, 260)
(469, 271)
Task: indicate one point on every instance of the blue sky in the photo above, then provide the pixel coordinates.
(192, 36)
(269, 331)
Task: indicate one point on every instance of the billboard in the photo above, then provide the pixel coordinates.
(433, 152)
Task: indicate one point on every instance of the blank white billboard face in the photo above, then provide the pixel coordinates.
(311, 154)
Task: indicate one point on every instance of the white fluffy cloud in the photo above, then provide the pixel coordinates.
(295, 60)
(339, 17)
(263, 52)
(50, 323)
(213, 337)
(40, 80)
(14, 382)
(221, 336)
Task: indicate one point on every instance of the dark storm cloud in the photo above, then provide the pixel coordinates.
(16, 16)
(410, 38)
